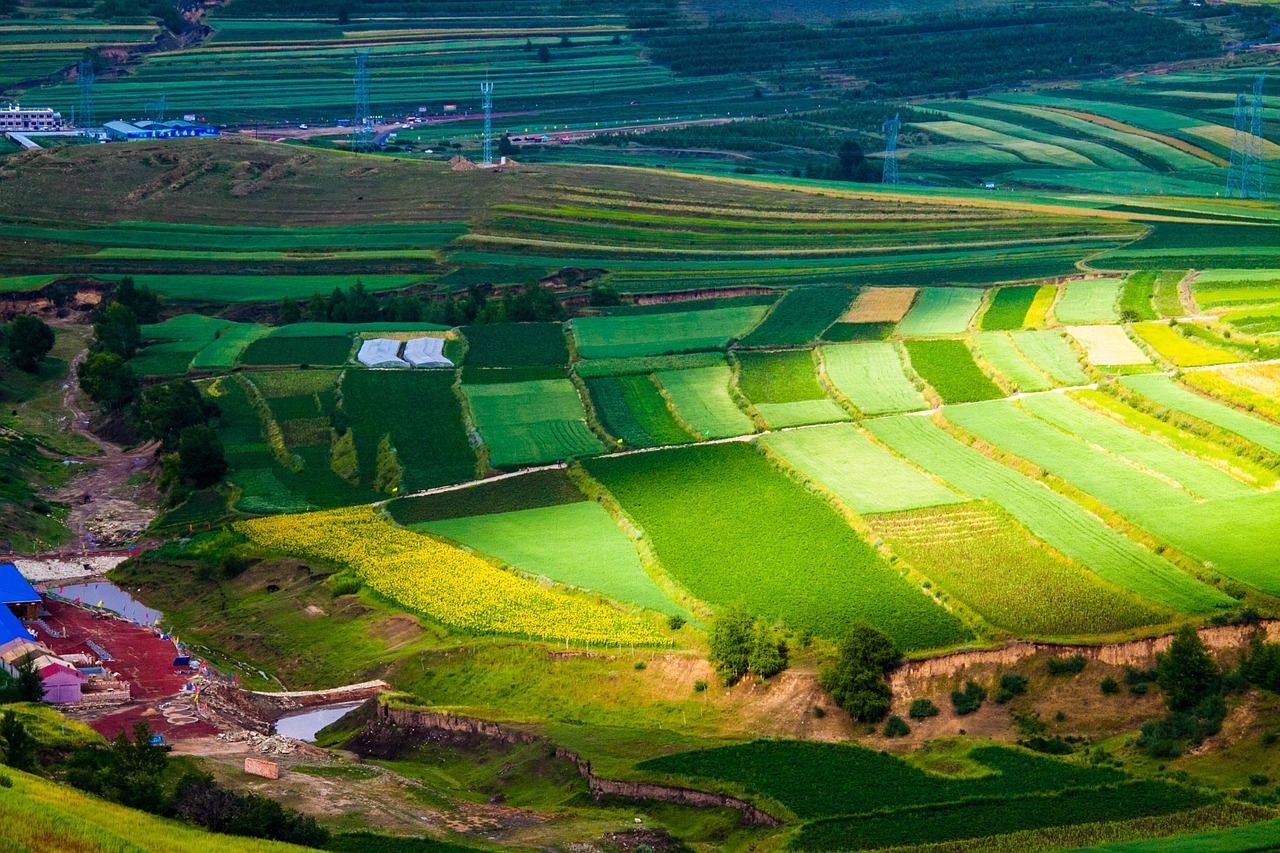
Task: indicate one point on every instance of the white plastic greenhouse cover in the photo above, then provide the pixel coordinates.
(381, 352)
(426, 352)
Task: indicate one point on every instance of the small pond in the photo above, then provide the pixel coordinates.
(113, 598)
(303, 725)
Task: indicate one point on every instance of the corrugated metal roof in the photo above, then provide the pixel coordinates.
(14, 588)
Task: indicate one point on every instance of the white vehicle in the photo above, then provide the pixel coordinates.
(303, 127)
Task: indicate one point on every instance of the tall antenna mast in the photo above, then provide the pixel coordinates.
(891, 150)
(1255, 178)
(486, 90)
(361, 124)
(1237, 185)
(84, 75)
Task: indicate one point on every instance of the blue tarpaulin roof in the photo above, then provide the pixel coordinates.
(11, 628)
(14, 588)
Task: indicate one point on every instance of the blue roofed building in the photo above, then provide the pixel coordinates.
(17, 595)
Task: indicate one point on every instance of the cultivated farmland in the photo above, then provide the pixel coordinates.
(941, 311)
(527, 423)
(656, 334)
(783, 388)
(755, 520)
(1089, 301)
(700, 398)
(949, 367)
(872, 377)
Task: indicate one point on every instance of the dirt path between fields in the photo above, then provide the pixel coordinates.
(108, 509)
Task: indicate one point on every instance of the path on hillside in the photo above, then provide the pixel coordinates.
(107, 509)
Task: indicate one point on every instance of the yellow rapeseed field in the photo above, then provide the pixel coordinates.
(444, 582)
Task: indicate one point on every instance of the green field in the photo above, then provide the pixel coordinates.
(872, 377)
(1050, 352)
(656, 334)
(423, 418)
(992, 564)
(783, 387)
(949, 367)
(1166, 392)
(700, 397)
(941, 311)
(997, 349)
(1089, 301)
(529, 423)
(1008, 309)
(289, 350)
(515, 345)
(574, 543)
(534, 490)
(800, 317)
(861, 473)
(1137, 298)
(632, 409)
(760, 537)
(1057, 520)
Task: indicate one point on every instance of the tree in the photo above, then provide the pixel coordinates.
(136, 770)
(30, 340)
(142, 301)
(544, 55)
(730, 642)
(169, 408)
(1188, 673)
(604, 294)
(289, 312)
(506, 147)
(20, 748)
(768, 656)
(856, 679)
(108, 380)
(201, 461)
(116, 330)
(317, 308)
(30, 684)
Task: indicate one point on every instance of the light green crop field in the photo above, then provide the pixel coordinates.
(872, 377)
(941, 311)
(1228, 288)
(997, 349)
(1089, 301)
(224, 352)
(1059, 521)
(1166, 392)
(527, 423)
(701, 399)
(984, 558)
(1050, 352)
(656, 334)
(1201, 478)
(576, 543)
(251, 288)
(858, 471)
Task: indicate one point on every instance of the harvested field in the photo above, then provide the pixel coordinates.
(880, 305)
(1108, 345)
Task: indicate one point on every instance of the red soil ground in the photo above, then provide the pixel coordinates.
(138, 656)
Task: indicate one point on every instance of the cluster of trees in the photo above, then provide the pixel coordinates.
(534, 303)
(28, 340)
(856, 679)
(168, 12)
(741, 644)
(175, 413)
(1193, 686)
(940, 53)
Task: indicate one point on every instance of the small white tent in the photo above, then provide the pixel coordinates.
(426, 352)
(381, 352)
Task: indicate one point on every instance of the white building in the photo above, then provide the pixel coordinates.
(19, 118)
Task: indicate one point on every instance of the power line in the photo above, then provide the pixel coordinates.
(361, 123)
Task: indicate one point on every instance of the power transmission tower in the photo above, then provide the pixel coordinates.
(155, 109)
(1255, 178)
(891, 128)
(361, 123)
(486, 90)
(84, 75)
(1236, 183)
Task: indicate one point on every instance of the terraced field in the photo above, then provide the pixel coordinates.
(783, 389)
(941, 311)
(700, 398)
(527, 423)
